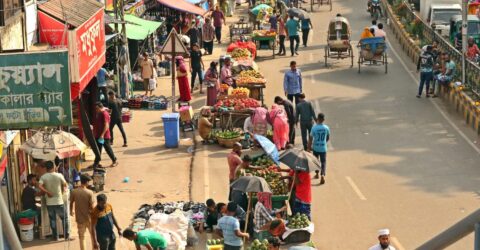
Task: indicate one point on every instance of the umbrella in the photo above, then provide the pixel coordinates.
(299, 159)
(251, 184)
(47, 145)
(260, 7)
(268, 147)
(296, 12)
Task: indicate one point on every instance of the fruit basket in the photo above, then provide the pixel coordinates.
(228, 138)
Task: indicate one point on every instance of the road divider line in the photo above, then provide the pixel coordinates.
(317, 106)
(445, 116)
(355, 188)
(206, 174)
(396, 243)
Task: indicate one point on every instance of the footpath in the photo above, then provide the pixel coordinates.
(155, 173)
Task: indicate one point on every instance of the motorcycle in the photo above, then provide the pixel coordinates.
(375, 9)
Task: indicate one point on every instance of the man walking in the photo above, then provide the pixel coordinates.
(292, 27)
(103, 220)
(82, 198)
(229, 229)
(101, 131)
(384, 241)
(150, 239)
(196, 66)
(288, 106)
(115, 107)
(319, 137)
(306, 116)
(306, 26)
(425, 66)
(218, 21)
(102, 76)
(292, 82)
(54, 185)
(208, 35)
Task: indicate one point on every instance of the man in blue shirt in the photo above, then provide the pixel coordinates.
(306, 26)
(319, 136)
(292, 82)
(229, 229)
(292, 27)
(102, 76)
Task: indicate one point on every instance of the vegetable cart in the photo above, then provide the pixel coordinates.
(270, 39)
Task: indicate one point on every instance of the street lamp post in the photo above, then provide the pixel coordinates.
(464, 36)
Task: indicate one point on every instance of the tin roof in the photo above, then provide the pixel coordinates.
(73, 12)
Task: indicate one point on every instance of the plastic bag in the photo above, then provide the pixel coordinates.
(192, 238)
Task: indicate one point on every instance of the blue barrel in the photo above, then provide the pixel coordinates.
(171, 128)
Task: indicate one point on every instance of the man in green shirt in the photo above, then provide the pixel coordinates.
(147, 238)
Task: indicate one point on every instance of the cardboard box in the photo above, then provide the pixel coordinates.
(186, 113)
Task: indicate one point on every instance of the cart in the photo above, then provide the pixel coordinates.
(373, 52)
(271, 40)
(240, 29)
(338, 40)
(231, 119)
(256, 91)
(320, 3)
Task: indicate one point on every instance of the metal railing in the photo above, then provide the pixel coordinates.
(428, 35)
(455, 233)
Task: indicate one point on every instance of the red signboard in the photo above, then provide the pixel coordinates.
(51, 31)
(88, 51)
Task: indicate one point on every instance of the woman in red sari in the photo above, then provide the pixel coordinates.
(279, 120)
(182, 78)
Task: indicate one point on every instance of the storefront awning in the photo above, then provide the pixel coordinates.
(138, 28)
(184, 6)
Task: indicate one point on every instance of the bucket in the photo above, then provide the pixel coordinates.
(26, 232)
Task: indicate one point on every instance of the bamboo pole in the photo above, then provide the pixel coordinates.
(248, 214)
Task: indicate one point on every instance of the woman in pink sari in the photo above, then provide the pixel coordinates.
(182, 78)
(259, 121)
(279, 120)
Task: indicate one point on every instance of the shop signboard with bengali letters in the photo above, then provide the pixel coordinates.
(34, 90)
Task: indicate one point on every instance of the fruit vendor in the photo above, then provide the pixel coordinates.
(149, 239)
(263, 214)
(234, 160)
(303, 193)
(211, 214)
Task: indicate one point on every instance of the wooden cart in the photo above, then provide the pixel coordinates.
(272, 43)
(256, 91)
(229, 119)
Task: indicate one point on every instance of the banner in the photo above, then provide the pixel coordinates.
(52, 31)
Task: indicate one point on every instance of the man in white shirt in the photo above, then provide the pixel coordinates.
(384, 241)
(374, 25)
(380, 32)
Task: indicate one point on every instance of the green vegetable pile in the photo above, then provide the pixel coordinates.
(257, 245)
(228, 134)
(215, 242)
(263, 161)
(298, 221)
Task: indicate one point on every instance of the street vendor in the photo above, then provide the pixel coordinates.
(149, 239)
(263, 215)
(204, 124)
(226, 72)
(234, 160)
(303, 193)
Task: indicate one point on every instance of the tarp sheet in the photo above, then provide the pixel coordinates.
(138, 28)
(183, 5)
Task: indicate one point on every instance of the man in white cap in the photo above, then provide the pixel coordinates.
(384, 241)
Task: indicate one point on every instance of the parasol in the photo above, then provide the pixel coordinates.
(260, 7)
(47, 145)
(296, 12)
(299, 159)
(268, 146)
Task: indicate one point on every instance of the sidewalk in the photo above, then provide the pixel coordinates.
(156, 174)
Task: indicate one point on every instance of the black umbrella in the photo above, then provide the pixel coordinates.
(251, 184)
(299, 159)
(296, 12)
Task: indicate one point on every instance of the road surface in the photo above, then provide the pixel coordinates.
(395, 161)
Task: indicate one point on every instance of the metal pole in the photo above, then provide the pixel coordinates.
(454, 233)
(477, 236)
(464, 36)
(174, 68)
(7, 227)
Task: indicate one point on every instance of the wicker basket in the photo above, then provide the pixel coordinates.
(228, 143)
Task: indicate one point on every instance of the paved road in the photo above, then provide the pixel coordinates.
(396, 161)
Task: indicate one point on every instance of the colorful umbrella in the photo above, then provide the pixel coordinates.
(260, 7)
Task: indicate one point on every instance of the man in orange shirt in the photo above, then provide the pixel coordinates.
(303, 193)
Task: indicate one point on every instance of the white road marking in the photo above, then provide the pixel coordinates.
(396, 243)
(317, 106)
(415, 80)
(312, 78)
(311, 59)
(206, 174)
(355, 188)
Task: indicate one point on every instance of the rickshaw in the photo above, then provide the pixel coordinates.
(320, 3)
(372, 52)
(338, 40)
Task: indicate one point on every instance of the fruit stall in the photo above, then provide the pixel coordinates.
(232, 110)
(253, 81)
(265, 40)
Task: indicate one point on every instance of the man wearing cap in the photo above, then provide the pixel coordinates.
(384, 241)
